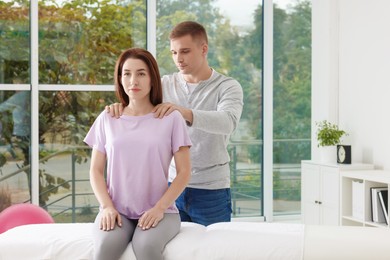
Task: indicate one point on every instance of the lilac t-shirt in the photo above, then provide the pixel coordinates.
(139, 150)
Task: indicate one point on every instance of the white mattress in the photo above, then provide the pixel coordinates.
(227, 241)
(346, 243)
(238, 241)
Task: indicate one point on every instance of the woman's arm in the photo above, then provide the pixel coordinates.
(109, 214)
(183, 167)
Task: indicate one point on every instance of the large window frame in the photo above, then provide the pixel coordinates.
(35, 88)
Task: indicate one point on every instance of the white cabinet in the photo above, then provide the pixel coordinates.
(350, 195)
(321, 191)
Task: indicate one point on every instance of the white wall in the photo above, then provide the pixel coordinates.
(351, 74)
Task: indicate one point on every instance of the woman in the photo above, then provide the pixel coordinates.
(136, 203)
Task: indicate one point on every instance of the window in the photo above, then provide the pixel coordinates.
(291, 97)
(78, 44)
(14, 103)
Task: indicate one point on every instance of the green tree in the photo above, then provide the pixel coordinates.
(292, 70)
(292, 81)
(14, 42)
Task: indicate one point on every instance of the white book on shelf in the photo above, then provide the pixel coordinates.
(358, 199)
(376, 208)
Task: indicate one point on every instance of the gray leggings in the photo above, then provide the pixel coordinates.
(147, 244)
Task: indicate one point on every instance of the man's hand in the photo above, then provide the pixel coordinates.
(115, 109)
(164, 109)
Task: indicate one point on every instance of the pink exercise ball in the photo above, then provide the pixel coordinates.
(23, 214)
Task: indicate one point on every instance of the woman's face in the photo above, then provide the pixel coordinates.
(136, 79)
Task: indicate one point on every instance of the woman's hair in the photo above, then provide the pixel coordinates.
(155, 79)
(196, 30)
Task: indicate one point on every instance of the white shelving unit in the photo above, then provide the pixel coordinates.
(368, 179)
(321, 191)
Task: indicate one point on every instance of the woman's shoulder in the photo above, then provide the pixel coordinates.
(104, 116)
(176, 118)
(175, 115)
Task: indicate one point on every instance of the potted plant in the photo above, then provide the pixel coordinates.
(328, 136)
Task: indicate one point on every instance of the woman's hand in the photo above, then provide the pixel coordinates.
(109, 217)
(151, 218)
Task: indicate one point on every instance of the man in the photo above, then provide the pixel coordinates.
(211, 104)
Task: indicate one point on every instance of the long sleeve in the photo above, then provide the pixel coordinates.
(225, 118)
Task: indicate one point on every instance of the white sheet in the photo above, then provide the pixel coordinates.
(225, 241)
(248, 240)
(47, 241)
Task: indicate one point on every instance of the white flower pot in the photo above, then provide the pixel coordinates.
(328, 154)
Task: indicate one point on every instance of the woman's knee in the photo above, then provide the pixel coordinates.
(111, 244)
(147, 251)
(150, 244)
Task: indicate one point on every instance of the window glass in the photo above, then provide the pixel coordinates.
(66, 117)
(14, 147)
(235, 49)
(14, 42)
(79, 41)
(292, 96)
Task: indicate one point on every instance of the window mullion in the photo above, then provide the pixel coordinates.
(34, 65)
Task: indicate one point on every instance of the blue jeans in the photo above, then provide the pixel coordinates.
(205, 206)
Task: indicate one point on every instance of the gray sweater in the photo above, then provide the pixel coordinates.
(216, 105)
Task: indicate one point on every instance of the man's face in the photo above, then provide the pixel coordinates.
(189, 55)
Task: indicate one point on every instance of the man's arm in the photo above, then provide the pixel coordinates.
(225, 119)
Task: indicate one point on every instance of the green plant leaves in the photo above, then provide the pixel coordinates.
(328, 134)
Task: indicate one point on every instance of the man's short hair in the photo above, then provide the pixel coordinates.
(196, 30)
